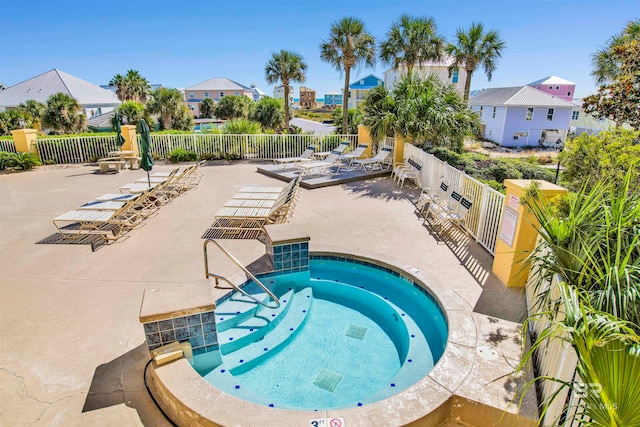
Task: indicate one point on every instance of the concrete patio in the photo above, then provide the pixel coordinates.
(72, 350)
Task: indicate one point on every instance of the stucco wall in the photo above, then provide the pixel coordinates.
(516, 123)
(494, 126)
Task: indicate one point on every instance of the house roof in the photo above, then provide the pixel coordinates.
(102, 121)
(520, 96)
(257, 90)
(218, 83)
(551, 80)
(446, 61)
(357, 84)
(41, 87)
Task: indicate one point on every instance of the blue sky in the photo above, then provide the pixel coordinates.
(179, 44)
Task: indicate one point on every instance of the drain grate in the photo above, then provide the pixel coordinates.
(328, 380)
(357, 332)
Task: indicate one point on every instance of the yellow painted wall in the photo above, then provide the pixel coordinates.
(365, 138)
(518, 222)
(130, 140)
(25, 140)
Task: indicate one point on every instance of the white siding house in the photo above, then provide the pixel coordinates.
(441, 69)
(522, 116)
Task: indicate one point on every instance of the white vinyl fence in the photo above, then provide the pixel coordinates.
(483, 219)
(211, 146)
(7, 145)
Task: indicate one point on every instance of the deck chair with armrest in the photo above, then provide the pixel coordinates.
(322, 166)
(339, 149)
(108, 223)
(377, 162)
(409, 170)
(304, 157)
(429, 195)
(454, 211)
(347, 159)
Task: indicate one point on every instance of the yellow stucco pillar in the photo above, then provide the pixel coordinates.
(365, 138)
(130, 140)
(518, 231)
(25, 140)
(398, 150)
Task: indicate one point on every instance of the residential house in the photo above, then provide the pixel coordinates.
(424, 69)
(582, 122)
(257, 93)
(333, 99)
(307, 97)
(278, 93)
(215, 88)
(92, 98)
(556, 86)
(358, 91)
(522, 116)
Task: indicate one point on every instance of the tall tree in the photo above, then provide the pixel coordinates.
(207, 108)
(411, 41)
(132, 112)
(269, 112)
(618, 101)
(606, 63)
(475, 47)
(233, 107)
(428, 110)
(349, 45)
(63, 114)
(167, 103)
(285, 67)
(131, 87)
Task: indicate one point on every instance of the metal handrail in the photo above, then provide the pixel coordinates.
(217, 277)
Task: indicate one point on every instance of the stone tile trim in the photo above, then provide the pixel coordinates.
(291, 257)
(197, 329)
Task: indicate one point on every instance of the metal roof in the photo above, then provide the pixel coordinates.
(102, 121)
(41, 87)
(521, 96)
(218, 83)
(551, 80)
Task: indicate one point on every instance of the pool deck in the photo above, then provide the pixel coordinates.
(72, 349)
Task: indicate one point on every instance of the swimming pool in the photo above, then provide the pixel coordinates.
(348, 333)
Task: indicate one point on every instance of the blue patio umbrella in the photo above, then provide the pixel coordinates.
(145, 144)
(118, 129)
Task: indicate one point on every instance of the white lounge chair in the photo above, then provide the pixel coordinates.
(379, 161)
(304, 157)
(409, 170)
(348, 159)
(321, 166)
(340, 149)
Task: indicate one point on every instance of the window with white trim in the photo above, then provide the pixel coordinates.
(454, 76)
(493, 115)
(550, 114)
(221, 94)
(529, 116)
(575, 114)
(191, 95)
(206, 94)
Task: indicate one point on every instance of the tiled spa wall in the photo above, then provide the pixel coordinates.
(197, 329)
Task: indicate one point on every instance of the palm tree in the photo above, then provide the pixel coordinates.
(167, 103)
(475, 47)
(349, 45)
(122, 87)
(285, 67)
(63, 114)
(131, 87)
(411, 41)
(606, 65)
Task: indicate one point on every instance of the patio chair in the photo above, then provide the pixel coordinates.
(409, 170)
(340, 149)
(355, 154)
(379, 161)
(429, 195)
(455, 211)
(322, 166)
(110, 224)
(304, 157)
(117, 197)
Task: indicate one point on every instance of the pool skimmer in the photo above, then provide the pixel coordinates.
(328, 380)
(357, 332)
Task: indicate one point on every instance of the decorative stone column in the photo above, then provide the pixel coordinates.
(518, 231)
(25, 140)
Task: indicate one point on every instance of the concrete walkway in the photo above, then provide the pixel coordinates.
(71, 347)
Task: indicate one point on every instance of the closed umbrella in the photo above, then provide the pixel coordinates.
(145, 142)
(119, 137)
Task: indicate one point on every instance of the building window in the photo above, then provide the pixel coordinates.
(191, 95)
(550, 87)
(206, 94)
(569, 93)
(530, 113)
(575, 115)
(361, 82)
(550, 115)
(236, 93)
(557, 87)
(454, 76)
(493, 115)
(481, 110)
(221, 94)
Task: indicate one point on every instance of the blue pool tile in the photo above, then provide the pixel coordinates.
(286, 264)
(277, 249)
(304, 254)
(196, 341)
(150, 327)
(277, 265)
(167, 336)
(295, 247)
(208, 328)
(295, 263)
(212, 347)
(210, 339)
(153, 339)
(304, 246)
(200, 350)
(286, 248)
(277, 258)
(179, 322)
(182, 334)
(165, 325)
(286, 257)
(194, 319)
(195, 330)
(208, 317)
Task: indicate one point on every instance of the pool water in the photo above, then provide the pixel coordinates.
(345, 335)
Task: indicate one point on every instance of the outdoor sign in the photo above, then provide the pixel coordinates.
(514, 201)
(509, 221)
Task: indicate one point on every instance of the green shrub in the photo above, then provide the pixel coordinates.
(448, 156)
(501, 169)
(22, 160)
(533, 171)
(181, 155)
